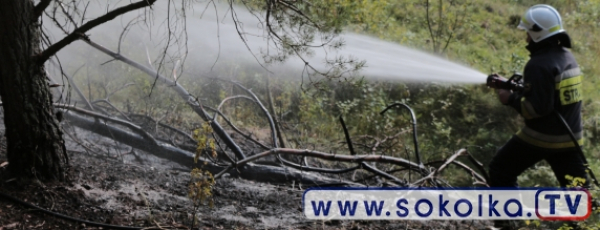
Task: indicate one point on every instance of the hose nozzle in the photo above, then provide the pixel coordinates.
(514, 83)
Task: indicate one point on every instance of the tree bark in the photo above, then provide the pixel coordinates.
(35, 146)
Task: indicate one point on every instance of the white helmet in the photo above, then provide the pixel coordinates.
(541, 21)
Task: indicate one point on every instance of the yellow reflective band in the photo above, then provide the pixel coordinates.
(570, 90)
(549, 145)
(569, 82)
(554, 28)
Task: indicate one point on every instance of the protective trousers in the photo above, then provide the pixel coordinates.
(515, 157)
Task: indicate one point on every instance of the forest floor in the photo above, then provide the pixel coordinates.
(131, 190)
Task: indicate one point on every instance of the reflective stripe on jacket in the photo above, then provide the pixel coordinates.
(553, 81)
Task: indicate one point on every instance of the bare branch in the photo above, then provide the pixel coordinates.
(383, 174)
(112, 106)
(130, 125)
(186, 135)
(265, 111)
(452, 31)
(67, 14)
(414, 123)
(333, 157)
(482, 180)
(348, 140)
(241, 35)
(272, 108)
(123, 32)
(236, 129)
(77, 90)
(261, 173)
(429, 25)
(182, 92)
(40, 7)
(231, 98)
(320, 170)
(451, 159)
(479, 166)
(149, 60)
(80, 32)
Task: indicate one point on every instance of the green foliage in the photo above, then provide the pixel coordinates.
(539, 176)
(481, 34)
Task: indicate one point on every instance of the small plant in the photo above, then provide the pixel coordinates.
(592, 222)
(200, 189)
(202, 181)
(204, 141)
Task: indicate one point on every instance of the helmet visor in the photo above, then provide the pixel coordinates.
(524, 24)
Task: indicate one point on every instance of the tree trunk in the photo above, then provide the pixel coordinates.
(35, 145)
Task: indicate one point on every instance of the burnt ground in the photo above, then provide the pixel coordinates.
(113, 192)
(132, 189)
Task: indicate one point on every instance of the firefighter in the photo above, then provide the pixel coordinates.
(552, 82)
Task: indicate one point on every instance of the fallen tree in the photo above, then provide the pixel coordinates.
(249, 171)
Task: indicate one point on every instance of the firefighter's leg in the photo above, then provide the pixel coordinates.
(568, 164)
(510, 161)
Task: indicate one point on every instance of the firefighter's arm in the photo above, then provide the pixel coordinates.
(504, 96)
(537, 99)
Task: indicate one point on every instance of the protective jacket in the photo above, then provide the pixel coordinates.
(553, 81)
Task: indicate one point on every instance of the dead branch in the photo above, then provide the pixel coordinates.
(364, 164)
(182, 92)
(148, 138)
(386, 138)
(333, 157)
(129, 125)
(265, 111)
(383, 174)
(80, 31)
(236, 129)
(40, 7)
(249, 171)
(72, 84)
(429, 25)
(480, 179)
(316, 169)
(119, 89)
(272, 108)
(186, 135)
(414, 124)
(231, 98)
(480, 167)
(451, 159)
(347, 135)
(112, 106)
